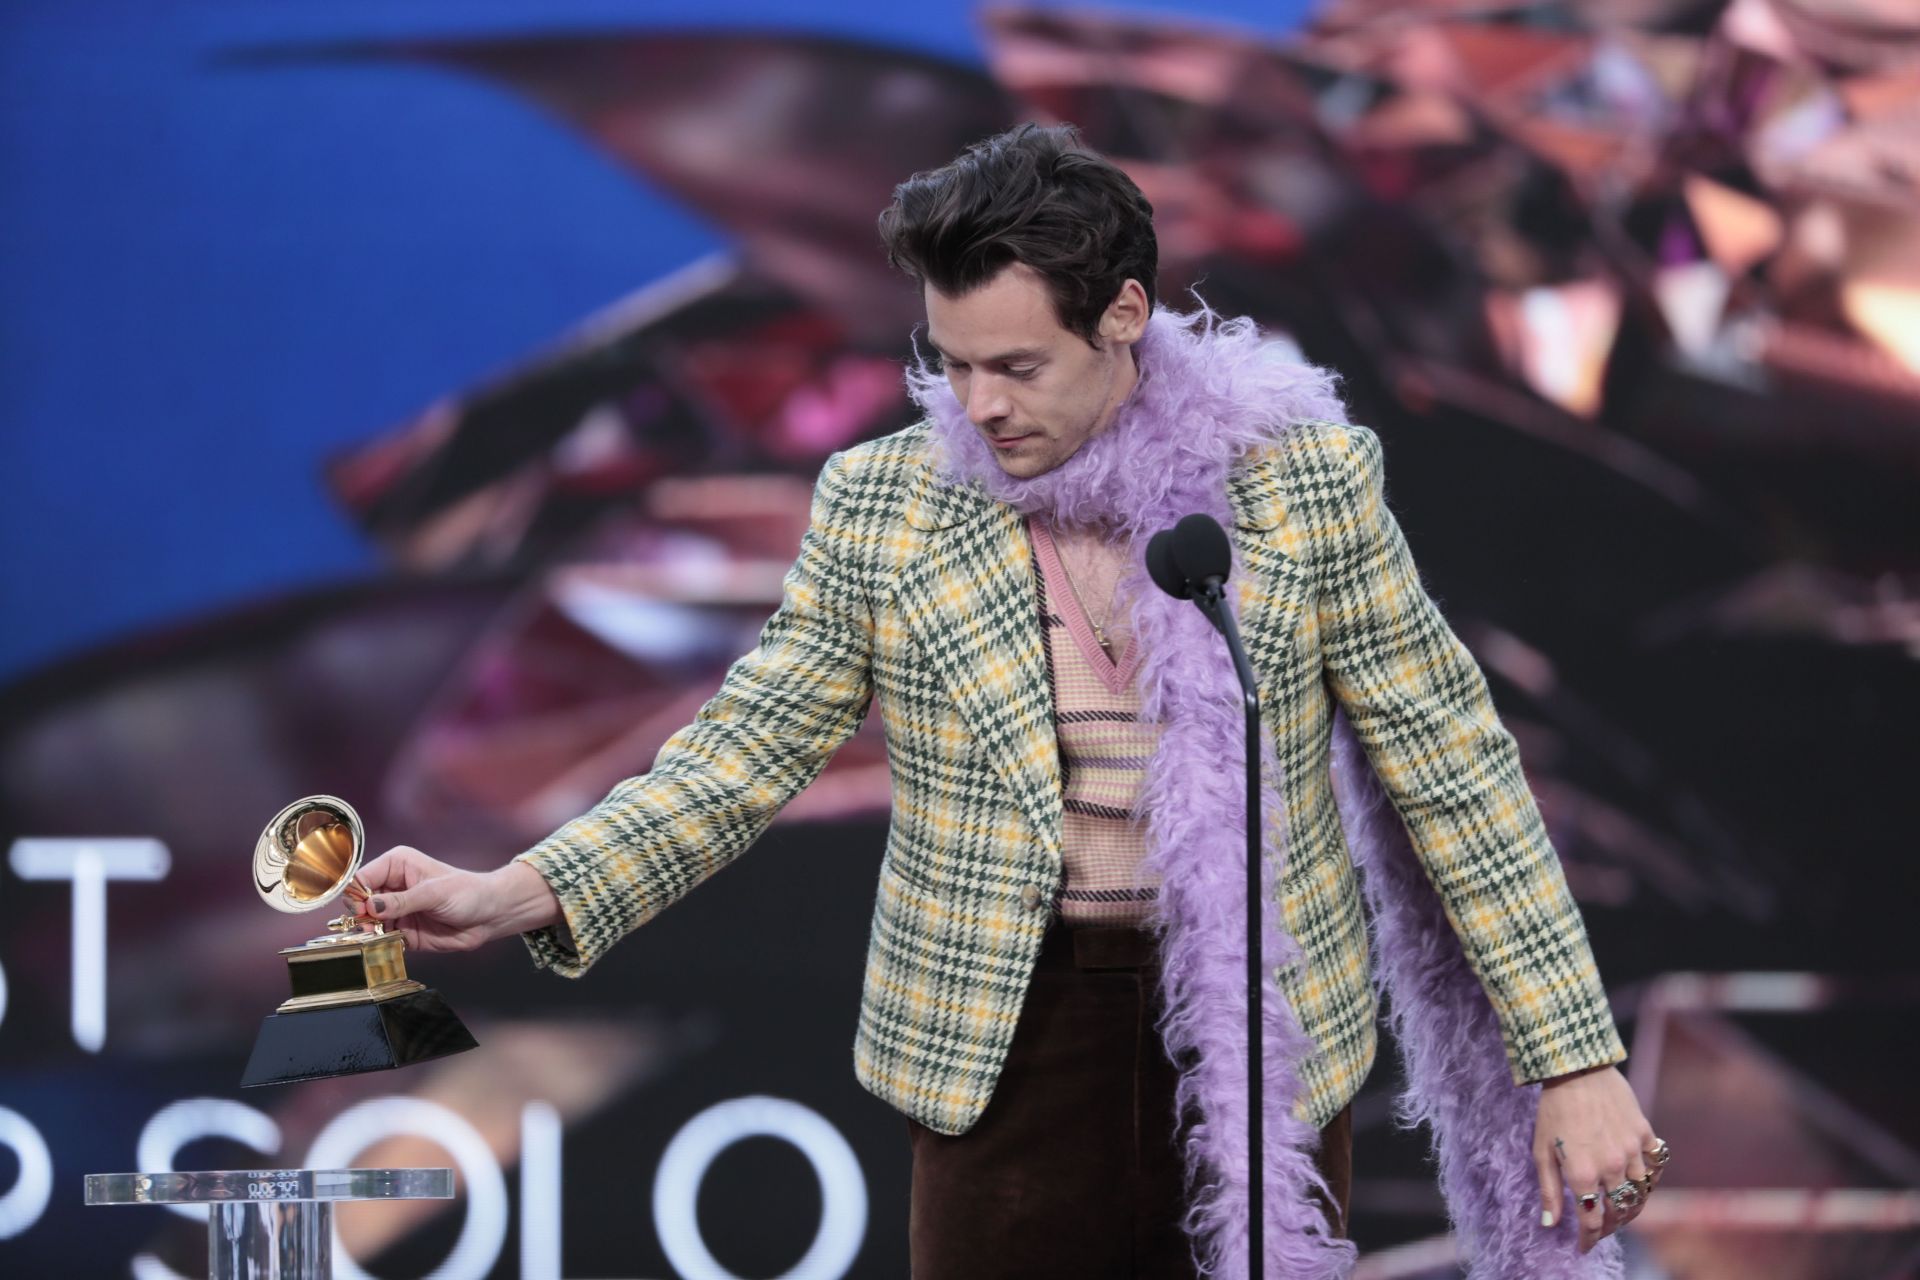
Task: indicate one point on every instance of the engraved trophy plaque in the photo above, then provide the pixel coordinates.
(353, 1008)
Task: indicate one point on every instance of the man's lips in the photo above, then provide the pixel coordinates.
(1007, 442)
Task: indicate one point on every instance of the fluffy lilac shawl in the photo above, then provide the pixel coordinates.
(1209, 392)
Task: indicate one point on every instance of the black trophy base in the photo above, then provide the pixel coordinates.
(316, 1043)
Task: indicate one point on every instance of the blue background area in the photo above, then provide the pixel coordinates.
(214, 278)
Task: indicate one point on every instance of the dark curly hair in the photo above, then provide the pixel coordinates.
(1033, 195)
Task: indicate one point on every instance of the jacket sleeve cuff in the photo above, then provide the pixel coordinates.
(555, 947)
(1574, 1034)
(1608, 1057)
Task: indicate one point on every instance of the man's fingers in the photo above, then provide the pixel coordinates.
(391, 904)
(389, 870)
(1614, 1175)
(1584, 1180)
(1636, 1174)
(1548, 1168)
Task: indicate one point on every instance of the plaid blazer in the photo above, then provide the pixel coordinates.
(919, 596)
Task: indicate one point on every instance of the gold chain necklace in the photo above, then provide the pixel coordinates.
(1099, 624)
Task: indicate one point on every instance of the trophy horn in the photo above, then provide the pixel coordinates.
(309, 855)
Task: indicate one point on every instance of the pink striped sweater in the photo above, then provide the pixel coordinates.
(1104, 749)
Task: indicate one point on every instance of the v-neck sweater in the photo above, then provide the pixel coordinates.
(1104, 749)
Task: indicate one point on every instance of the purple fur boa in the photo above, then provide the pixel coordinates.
(1209, 392)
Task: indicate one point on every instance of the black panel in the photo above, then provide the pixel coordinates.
(319, 977)
(316, 1043)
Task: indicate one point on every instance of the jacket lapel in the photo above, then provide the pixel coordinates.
(1275, 588)
(970, 602)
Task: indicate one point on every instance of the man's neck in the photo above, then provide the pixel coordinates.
(1123, 387)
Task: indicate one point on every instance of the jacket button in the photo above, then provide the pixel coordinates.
(1030, 896)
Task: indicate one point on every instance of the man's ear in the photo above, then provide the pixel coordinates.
(1125, 318)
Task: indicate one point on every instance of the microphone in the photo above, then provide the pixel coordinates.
(1160, 567)
(1192, 558)
(1191, 561)
(1200, 552)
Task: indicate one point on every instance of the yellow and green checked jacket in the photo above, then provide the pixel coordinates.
(918, 597)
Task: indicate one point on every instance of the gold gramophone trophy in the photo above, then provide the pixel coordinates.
(353, 1008)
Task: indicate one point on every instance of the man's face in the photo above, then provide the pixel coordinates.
(1035, 390)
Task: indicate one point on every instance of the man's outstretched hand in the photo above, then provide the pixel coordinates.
(442, 908)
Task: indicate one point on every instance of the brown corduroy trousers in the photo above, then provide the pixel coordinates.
(1073, 1170)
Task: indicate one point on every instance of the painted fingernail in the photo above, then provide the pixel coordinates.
(379, 906)
(1546, 1217)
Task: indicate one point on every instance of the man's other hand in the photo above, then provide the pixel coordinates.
(442, 908)
(1590, 1137)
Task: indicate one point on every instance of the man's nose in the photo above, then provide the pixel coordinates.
(985, 403)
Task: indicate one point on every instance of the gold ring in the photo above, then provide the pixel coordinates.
(1658, 1156)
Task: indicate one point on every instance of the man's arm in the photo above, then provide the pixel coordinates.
(1421, 706)
(716, 784)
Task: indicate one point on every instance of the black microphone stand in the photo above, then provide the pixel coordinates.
(1211, 597)
(1190, 562)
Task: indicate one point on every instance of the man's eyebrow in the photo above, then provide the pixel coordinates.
(1005, 357)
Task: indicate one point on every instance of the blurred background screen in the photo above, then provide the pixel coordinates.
(419, 402)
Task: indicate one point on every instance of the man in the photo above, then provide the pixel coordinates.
(1051, 995)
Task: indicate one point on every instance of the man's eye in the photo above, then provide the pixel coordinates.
(1023, 373)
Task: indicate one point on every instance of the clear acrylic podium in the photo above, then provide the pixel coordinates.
(270, 1224)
